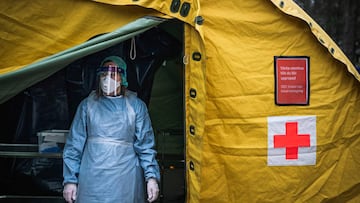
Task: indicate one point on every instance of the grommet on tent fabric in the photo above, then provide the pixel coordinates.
(199, 20)
(282, 4)
(196, 56)
(332, 50)
(175, 6)
(191, 166)
(192, 129)
(185, 8)
(192, 93)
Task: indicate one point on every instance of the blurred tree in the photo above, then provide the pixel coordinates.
(340, 19)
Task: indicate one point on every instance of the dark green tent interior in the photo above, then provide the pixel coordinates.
(155, 72)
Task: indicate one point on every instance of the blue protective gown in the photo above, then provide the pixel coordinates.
(109, 151)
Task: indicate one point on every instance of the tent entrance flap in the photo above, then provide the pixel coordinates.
(33, 73)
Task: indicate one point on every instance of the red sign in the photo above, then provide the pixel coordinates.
(292, 80)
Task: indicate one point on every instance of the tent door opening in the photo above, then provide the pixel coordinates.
(166, 108)
(155, 72)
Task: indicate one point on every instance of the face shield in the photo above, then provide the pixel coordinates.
(110, 80)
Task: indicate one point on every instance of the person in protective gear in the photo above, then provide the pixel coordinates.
(109, 152)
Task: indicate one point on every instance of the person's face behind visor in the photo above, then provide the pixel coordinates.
(110, 79)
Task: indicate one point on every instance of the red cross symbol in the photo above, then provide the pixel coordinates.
(291, 140)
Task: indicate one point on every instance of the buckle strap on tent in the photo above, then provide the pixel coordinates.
(175, 6)
(184, 10)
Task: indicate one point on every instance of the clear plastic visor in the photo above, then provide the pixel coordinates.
(110, 80)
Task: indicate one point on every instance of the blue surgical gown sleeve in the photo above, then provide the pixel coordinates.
(145, 142)
(74, 145)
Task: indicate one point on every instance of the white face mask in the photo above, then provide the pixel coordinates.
(109, 85)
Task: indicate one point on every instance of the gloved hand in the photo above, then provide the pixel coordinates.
(69, 192)
(152, 190)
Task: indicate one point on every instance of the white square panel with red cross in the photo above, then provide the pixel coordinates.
(291, 140)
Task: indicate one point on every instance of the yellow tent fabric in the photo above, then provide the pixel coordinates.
(240, 40)
(229, 50)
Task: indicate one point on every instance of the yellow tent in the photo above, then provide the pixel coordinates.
(256, 73)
